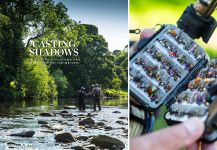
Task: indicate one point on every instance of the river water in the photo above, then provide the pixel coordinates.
(21, 116)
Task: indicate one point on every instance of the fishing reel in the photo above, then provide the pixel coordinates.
(166, 64)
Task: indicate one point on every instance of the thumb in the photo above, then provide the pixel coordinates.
(175, 137)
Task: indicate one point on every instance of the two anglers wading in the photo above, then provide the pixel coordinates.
(94, 94)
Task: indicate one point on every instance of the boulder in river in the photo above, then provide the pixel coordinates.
(42, 122)
(100, 123)
(46, 114)
(64, 111)
(24, 134)
(28, 118)
(119, 122)
(70, 107)
(66, 115)
(123, 118)
(82, 138)
(89, 115)
(64, 137)
(78, 148)
(116, 112)
(87, 121)
(108, 128)
(107, 142)
(55, 127)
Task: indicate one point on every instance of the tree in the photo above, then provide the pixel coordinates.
(35, 81)
(61, 82)
(18, 19)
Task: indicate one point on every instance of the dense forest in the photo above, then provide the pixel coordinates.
(25, 76)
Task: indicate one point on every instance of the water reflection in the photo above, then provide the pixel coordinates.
(9, 108)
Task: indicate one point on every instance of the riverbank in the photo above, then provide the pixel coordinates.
(83, 127)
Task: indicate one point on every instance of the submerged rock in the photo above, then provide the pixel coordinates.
(120, 122)
(74, 131)
(66, 115)
(87, 121)
(78, 148)
(123, 118)
(46, 114)
(47, 131)
(108, 128)
(28, 118)
(24, 134)
(11, 143)
(64, 137)
(116, 112)
(100, 123)
(107, 142)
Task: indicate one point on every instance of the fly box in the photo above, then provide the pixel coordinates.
(160, 73)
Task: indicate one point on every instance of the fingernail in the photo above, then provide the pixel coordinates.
(194, 125)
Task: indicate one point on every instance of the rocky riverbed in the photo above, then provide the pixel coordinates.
(65, 128)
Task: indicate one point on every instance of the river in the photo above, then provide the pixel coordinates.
(18, 116)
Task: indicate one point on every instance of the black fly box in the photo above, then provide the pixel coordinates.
(163, 66)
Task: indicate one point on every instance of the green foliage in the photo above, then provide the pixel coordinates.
(97, 64)
(17, 19)
(21, 76)
(115, 93)
(91, 29)
(121, 68)
(116, 83)
(61, 82)
(34, 80)
(120, 101)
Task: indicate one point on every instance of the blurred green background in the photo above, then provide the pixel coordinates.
(148, 13)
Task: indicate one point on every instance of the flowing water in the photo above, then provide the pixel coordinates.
(18, 116)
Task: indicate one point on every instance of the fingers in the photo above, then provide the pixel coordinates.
(209, 146)
(175, 137)
(133, 48)
(146, 33)
(194, 146)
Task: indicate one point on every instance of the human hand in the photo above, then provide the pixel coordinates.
(174, 138)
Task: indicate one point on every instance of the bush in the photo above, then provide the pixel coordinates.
(115, 93)
(34, 80)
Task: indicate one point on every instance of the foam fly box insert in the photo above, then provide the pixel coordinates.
(163, 66)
